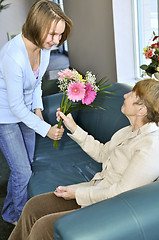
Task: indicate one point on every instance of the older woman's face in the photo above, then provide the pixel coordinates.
(54, 35)
(129, 107)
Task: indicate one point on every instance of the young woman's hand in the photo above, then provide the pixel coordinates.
(55, 133)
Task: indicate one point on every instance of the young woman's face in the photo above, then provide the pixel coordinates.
(54, 35)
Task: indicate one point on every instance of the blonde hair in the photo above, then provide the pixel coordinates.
(147, 91)
(39, 20)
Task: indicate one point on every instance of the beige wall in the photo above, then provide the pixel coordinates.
(91, 44)
(12, 18)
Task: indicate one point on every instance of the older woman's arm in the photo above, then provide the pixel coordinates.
(143, 169)
(92, 147)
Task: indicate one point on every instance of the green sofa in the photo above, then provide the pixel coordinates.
(69, 164)
(133, 215)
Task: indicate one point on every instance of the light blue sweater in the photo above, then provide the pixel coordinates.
(20, 91)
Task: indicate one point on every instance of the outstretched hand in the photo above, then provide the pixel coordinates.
(67, 120)
(55, 133)
(67, 193)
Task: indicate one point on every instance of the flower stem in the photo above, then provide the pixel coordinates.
(56, 141)
(63, 108)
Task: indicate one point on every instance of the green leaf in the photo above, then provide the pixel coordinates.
(149, 74)
(104, 87)
(102, 80)
(144, 67)
(106, 92)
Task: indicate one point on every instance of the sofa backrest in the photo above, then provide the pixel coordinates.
(103, 124)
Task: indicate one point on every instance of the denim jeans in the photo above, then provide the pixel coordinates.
(17, 142)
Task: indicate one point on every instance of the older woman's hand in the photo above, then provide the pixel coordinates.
(67, 120)
(67, 193)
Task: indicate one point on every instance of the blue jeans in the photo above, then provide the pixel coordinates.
(17, 143)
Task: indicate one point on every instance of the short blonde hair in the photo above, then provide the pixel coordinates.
(147, 91)
(39, 20)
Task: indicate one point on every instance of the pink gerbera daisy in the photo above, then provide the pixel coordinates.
(89, 95)
(76, 91)
(66, 74)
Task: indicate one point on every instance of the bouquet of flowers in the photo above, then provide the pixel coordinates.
(151, 52)
(79, 92)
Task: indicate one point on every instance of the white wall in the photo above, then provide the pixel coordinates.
(12, 18)
(123, 29)
(91, 44)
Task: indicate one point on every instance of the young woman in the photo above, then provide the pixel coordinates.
(129, 160)
(24, 61)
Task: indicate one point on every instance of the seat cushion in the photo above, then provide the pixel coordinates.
(63, 166)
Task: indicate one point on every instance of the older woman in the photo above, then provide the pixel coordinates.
(24, 61)
(130, 159)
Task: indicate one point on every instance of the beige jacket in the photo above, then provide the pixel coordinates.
(129, 160)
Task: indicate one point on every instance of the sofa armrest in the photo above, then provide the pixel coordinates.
(130, 215)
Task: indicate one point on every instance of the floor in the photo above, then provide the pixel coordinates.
(58, 62)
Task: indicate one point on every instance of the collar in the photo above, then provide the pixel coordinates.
(147, 128)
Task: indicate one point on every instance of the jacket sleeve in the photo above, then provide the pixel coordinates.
(92, 147)
(142, 169)
(13, 76)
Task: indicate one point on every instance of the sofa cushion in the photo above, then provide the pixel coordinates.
(66, 165)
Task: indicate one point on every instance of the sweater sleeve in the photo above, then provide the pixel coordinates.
(37, 93)
(14, 84)
(37, 97)
(92, 147)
